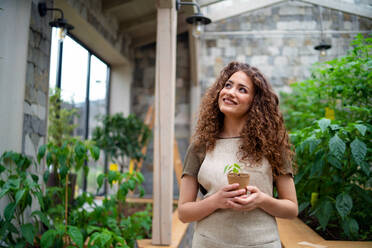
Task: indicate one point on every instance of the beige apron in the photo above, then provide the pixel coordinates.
(228, 228)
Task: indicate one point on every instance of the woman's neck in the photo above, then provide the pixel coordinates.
(232, 127)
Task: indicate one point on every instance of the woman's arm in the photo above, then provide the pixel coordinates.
(190, 210)
(284, 207)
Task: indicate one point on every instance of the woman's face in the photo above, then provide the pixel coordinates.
(236, 96)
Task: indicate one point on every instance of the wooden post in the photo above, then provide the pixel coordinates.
(165, 77)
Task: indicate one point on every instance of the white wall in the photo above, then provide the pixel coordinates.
(121, 79)
(14, 29)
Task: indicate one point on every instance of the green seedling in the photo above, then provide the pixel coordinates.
(233, 168)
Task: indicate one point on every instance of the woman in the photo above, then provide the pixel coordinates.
(239, 122)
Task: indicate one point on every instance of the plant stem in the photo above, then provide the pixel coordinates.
(66, 202)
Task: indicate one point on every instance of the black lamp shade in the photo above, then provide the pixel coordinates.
(61, 23)
(198, 18)
(322, 46)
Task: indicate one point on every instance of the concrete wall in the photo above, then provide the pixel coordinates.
(121, 82)
(37, 82)
(14, 29)
(279, 40)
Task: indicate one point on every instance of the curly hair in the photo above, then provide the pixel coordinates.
(264, 133)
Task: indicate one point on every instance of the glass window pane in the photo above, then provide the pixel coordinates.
(97, 107)
(53, 59)
(74, 80)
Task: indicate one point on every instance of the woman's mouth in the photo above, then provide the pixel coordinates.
(229, 101)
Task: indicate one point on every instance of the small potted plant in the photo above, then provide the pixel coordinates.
(234, 175)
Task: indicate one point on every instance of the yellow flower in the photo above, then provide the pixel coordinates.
(329, 113)
(114, 167)
(314, 198)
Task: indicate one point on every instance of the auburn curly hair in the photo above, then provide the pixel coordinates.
(264, 133)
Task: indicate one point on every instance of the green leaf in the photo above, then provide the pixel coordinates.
(75, 235)
(35, 178)
(359, 150)
(9, 211)
(317, 166)
(28, 232)
(324, 212)
(351, 227)
(344, 204)
(94, 151)
(42, 217)
(105, 237)
(337, 147)
(19, 195)
(91, 229)
(41, 152)
(48, 237)
(2, 169)
(324, 123)
(365, 168)
(313, 143)
(302, 206)
(334, 161)
(361, 128)
(46, 176)
(100, 180)
(20, 244)
(4, 191)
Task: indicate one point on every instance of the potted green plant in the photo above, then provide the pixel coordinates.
(234, 175)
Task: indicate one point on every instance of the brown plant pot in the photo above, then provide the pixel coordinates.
(241, 178)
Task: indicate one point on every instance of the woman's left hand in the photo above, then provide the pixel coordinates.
(249, 202)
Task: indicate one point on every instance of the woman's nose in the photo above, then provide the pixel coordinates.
(231, 91)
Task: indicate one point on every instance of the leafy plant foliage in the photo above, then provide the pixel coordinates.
(122, 137)
(333, 154)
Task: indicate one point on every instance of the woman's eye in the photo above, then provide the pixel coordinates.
(243, 90)
(227, 85)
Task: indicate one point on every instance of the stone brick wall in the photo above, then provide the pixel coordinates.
(37, 81)
(142, 96)
(105, 23)
(279, 40)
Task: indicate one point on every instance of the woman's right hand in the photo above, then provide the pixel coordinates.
(224, 197)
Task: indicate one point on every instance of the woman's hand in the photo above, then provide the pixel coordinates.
(249, 202)
(225, 196)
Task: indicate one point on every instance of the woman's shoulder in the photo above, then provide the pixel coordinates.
(197, 150)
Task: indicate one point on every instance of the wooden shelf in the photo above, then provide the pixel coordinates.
(296, 234)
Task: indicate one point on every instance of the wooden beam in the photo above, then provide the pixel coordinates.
(350, 8)
(166, 4)
(182, 27)
(165, 77)
(108, 5)
(136, 23)
(237, 9)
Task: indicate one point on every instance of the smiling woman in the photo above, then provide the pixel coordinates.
(239, 122)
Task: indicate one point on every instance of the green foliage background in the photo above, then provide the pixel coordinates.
(333, 154)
